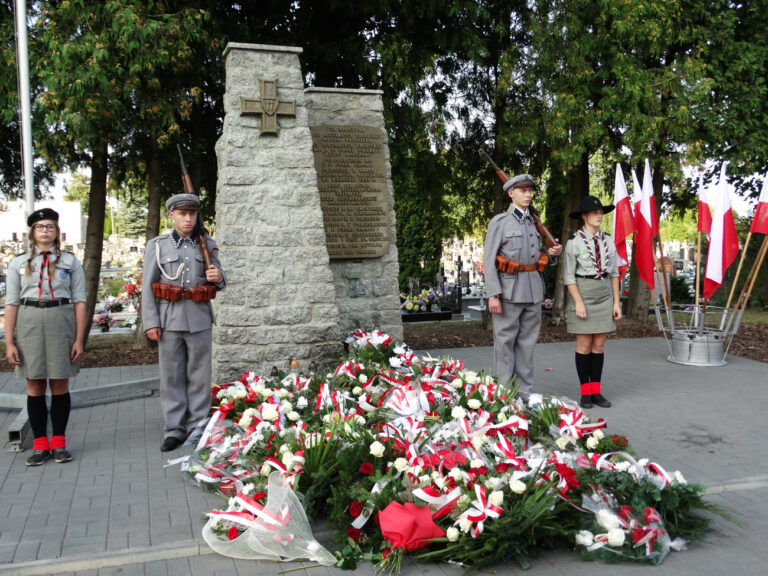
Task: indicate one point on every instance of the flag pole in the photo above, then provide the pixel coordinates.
(742, 304)
(698, 267)
(735, 281)
(22, 57)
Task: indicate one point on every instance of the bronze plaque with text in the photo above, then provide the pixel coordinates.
(352, 178)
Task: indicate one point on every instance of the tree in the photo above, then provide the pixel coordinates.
(97, 61)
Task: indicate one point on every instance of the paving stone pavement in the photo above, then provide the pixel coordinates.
(115, 509)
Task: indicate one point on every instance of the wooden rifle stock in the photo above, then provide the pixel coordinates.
(201, 234)
(549, 240)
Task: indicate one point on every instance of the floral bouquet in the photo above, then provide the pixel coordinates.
(408, 454)
(103, 320)
(425, 301)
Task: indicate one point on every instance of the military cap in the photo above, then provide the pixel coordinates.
(589, 203)
(182, 202)
(515, 181)
(42, 214)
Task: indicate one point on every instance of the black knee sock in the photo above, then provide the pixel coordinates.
(60, 407)
(597, 366)
(583, 368)
(37, 411)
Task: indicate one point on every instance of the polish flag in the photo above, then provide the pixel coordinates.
(623, 220)
(760, 220)
(645, 225)
(705, 216)
(723, 240)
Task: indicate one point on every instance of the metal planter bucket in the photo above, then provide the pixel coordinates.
(691, 348)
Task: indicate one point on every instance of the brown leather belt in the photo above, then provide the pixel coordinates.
(513, 266)
(174, 293)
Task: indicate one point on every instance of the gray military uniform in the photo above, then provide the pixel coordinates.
(184, 349)
(513, 234)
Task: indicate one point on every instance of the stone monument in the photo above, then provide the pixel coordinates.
(304, 216)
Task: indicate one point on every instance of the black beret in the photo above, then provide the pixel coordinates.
(42, 214)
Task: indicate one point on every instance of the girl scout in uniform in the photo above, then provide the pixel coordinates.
(45, 328)
(591, 275)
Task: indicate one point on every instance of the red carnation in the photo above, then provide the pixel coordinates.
(355, 508)
(353, 533)
(366, 468)
(232, 533)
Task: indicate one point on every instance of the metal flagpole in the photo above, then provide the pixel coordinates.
(22, 56)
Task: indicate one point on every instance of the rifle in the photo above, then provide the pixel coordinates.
(200, 231)
(549, 240)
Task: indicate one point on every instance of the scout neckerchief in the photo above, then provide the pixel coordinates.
(44, 266)
(595, 249)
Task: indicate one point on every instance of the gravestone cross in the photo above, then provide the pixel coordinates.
(269, 107)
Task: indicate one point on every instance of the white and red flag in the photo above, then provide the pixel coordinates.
(623, 220)
(760, 220)
(646, 226)
(705, 215)
(723, 240)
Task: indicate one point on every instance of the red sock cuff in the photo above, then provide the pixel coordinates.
(41, 443)
(58, 442)
(595, 387)
(586, 389)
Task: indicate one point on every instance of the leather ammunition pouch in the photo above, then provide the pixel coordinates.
(513, 266)
(175, 293)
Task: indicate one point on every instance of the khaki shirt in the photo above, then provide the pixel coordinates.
(579, 256)
(68, 279)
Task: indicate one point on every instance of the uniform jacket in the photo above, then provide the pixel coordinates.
(68, 279)
(517, 240)
(180, 266)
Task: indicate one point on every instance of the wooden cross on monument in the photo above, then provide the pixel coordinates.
(269, 107)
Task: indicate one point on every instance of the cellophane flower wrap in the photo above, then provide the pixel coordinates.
(408, 454)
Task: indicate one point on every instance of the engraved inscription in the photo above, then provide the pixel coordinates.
(352, 179)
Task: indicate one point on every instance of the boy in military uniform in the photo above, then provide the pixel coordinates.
(177, 313)
(513, 258)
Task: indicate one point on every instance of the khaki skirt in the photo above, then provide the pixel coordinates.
(44, 337)
(598, 300)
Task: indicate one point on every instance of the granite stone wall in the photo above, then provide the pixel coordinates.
(285, 298)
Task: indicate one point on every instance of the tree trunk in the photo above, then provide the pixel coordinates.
(154, 174)
(578, 187)
(94, 236)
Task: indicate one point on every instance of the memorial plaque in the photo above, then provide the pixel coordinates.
(352, 180)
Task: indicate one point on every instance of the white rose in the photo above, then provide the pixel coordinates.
(246, 418)
(327, 418)
(477, 441)
(516, 486)
(455, 473)
(281, 392)
(465, 524)
(474, 403)
(425, 479)
(492, 482)
(284, 449)
(260, 388)
(470, 377)
(265, 470)
(622, 466)
(452, 534)
(616, 537)
(359, 420)
(362, 378)
(269, 412)
(293, 416)
(598, 434)
(357, 390)
(643, 462)
(584, 538)
(476, 463)
(241, 393)
(301, 402)
(287, 406)
(457, 383)
(679, 477)
(222, 393)
(463, 501)
(377, 449)
(607, 519)
(488, 379)
(287, 457)
(592, 442)
(458, 413)
(401, 464)
(562, 442)
(496, 498)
